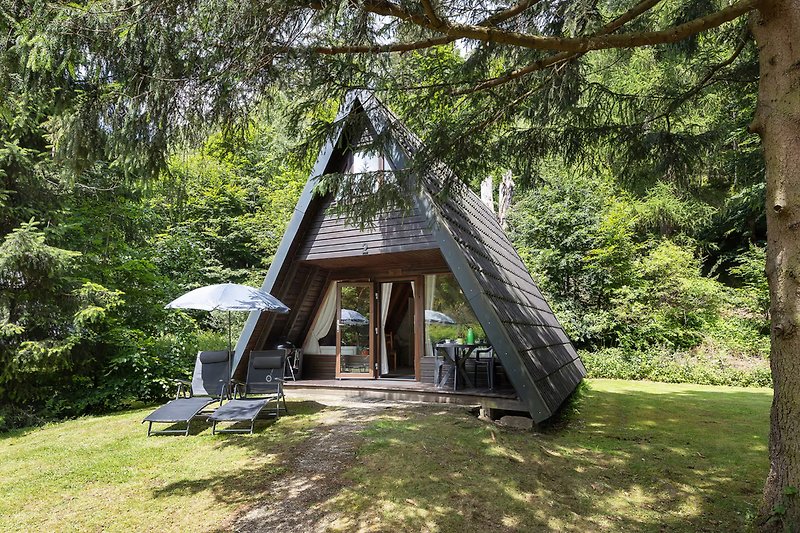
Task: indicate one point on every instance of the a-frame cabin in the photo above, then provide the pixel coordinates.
(387, 283)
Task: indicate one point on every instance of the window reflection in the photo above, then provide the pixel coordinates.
(448, 314)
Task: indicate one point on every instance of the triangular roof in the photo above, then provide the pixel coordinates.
(539, 358)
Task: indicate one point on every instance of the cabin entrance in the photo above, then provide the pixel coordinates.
(377, 334)
(397, 332)
(355, 339)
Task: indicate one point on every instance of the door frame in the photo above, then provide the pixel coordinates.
(371, 373)
(419, 317)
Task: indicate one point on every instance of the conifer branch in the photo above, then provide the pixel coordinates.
(511, 12)
(383, 48)
(454, 31)
(601, 42)
(430, 12)
(541, 64)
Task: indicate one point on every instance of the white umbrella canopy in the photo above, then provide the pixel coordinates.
(435, 317)
(228, 297)
(349, 317)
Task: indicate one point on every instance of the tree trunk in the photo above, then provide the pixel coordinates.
(776, 27)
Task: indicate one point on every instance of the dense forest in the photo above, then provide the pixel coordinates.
(640, 215)
(87, 264)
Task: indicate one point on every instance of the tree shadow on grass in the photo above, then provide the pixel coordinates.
(629, 460)
(270, 447)
(18, 432)
(624, 460)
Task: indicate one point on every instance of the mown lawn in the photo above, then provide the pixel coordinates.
(636, 456)
(103, 473)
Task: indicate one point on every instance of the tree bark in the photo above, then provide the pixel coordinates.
(776, 27)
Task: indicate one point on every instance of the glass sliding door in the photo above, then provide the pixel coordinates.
(397, 330)
(355, 327)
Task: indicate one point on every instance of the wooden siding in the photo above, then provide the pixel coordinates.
(330, 236)
(316, 366)
(393, 264)
(427, 369)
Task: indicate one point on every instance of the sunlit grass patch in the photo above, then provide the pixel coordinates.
(104, 473)
(632, 456)
(636, 456)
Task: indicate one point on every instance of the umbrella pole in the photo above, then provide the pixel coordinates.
(229, 350)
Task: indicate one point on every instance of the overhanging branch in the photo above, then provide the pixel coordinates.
(561, 44)
(511, 12)
(560, 57)
(601, 42)
(382, 48)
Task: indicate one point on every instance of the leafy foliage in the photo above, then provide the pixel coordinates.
(82, 323)
(157, 145)
(634, 293)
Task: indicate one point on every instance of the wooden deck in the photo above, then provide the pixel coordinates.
(402, 390)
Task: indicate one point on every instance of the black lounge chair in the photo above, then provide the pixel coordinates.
(264, 377)
(209, 384)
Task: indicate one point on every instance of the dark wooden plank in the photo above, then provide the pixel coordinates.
(355, 236)
(552, 358)
(328, 225)
(316, 366)
(370, 251)
(317, 301)
(400, 242)
(297, 310)
(556, 387)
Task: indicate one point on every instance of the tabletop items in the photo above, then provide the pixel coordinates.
(458, 353)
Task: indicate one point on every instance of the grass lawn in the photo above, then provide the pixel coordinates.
(639, 456)
(104, 473)
(636, 456)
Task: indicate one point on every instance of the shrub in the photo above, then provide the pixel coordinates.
(656, 364)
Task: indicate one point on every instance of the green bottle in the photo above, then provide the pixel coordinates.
(470, 336)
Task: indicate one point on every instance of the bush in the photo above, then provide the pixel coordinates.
(662, 365)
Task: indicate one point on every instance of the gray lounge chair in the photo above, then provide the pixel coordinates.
(264, 379)
(210, 383)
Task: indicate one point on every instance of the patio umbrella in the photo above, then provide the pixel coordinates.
(349, 317)
(435, 317)
(228, 297)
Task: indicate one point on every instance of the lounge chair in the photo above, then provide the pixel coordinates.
(264, 377)
(210, 383)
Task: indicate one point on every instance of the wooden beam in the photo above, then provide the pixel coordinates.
(295, 312)
(315, 309)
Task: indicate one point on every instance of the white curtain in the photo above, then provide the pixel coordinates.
(430, 290)
(386, 296)
(323, 321)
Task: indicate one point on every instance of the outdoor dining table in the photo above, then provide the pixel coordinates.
(458, 354)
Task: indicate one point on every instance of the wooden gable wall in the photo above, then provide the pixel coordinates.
(329, 236)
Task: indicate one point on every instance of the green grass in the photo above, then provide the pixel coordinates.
(103, 473)
(636, 456)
